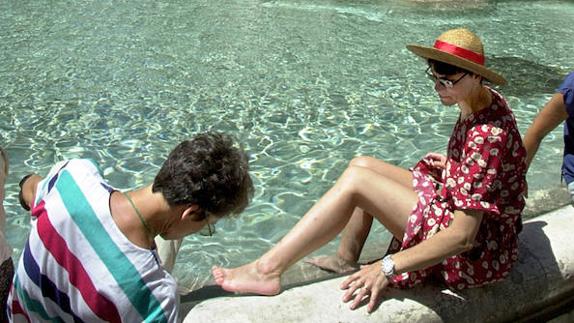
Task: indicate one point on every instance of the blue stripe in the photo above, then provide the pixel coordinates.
(49, 183)
(48, 288)
(32, 305)
(117, 263)
(107, 187)
(55, 178)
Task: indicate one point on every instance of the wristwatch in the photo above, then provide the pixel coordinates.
(388, 266)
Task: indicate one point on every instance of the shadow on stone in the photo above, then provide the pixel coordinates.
(511, 299)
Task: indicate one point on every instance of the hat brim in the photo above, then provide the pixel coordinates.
(438, 55)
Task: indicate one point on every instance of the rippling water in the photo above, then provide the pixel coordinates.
(304, 85)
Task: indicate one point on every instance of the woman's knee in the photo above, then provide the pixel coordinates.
(363, 161)
(354, 176)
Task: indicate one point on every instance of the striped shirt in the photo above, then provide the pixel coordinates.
(77, 266)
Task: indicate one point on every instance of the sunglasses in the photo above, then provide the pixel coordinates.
(208, 229)
(449, 84)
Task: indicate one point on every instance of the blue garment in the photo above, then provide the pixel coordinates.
(567, 90)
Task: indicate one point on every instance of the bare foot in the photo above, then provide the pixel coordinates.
(334, 264)
(247, 279)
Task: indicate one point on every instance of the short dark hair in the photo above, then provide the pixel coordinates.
(207, 170)
(446, 69)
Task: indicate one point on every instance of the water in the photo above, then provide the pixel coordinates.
(304, 85)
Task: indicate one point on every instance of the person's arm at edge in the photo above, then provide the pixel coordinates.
(553, 113)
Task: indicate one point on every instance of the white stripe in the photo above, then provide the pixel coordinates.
(98, 198)
(163, 286)
(55, 273)
(102, 279)
(160, 282)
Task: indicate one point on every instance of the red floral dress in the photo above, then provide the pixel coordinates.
(485, 171)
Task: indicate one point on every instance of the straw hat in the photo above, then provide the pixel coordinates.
(462, 48)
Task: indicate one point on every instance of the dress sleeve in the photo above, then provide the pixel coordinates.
(475, 184)
(567, 90)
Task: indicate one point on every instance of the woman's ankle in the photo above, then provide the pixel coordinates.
(347, 256)
(268, 268)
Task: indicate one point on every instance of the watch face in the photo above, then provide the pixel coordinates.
(388, 266)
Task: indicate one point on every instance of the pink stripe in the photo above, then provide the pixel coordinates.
(17, 309)
(459, 51)
(78, 276)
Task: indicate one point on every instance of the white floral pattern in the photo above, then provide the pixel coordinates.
(485, 171)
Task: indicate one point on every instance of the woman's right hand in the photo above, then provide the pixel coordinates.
(369, 282)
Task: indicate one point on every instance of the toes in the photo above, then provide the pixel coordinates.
(218, 275)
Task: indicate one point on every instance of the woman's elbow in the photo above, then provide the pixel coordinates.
(464, 228)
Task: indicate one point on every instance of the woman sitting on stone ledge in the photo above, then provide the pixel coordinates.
(454, 217)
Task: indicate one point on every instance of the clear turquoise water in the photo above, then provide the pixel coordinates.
(305, 85)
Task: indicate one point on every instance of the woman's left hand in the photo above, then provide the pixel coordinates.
(436, 160)
(367, 282)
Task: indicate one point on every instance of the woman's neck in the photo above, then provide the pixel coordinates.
(478, 99)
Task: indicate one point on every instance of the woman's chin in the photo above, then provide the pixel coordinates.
(447, 101)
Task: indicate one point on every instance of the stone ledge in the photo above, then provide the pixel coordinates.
(540, 287)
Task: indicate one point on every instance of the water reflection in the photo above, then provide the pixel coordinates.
(304, 85)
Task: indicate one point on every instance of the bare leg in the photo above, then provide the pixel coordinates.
(357, 229)
(354, 236)
(357, 187)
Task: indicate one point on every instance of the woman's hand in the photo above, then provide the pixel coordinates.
(436, 160)
(368, 282)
